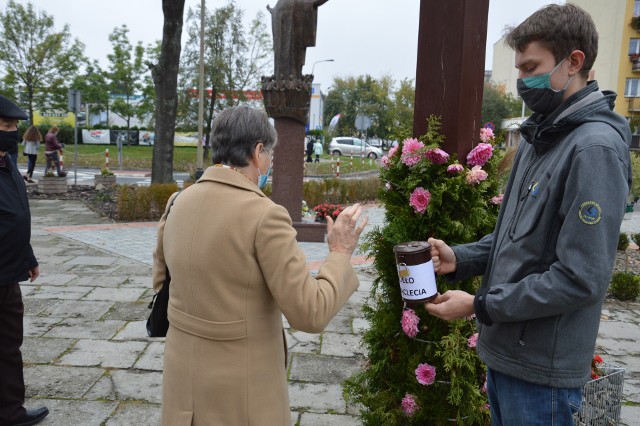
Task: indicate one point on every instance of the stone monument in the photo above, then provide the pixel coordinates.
(287, 95)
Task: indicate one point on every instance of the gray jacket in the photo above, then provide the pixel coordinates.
(547, 265)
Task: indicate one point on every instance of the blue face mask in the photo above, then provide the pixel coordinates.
(537, 93)
(262, 179)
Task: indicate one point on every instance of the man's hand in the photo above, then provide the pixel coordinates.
(34, 273)
(453, 304)
(444, 259)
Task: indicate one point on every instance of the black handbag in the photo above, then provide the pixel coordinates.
(158, 322)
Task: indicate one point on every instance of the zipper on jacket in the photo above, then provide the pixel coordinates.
(516, 212)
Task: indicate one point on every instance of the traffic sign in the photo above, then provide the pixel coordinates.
(363, 122)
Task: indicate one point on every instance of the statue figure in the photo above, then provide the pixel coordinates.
(293, 23)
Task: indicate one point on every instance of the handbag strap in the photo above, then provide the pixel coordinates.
(168, 211)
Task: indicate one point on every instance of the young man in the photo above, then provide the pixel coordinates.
(17, 263)
(546, 267)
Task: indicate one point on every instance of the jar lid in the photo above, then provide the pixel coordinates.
(412, 247)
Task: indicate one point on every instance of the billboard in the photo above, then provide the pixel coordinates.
(51, 118)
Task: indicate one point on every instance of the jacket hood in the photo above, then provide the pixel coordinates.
(587, 105)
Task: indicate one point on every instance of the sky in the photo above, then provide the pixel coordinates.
(375, 37)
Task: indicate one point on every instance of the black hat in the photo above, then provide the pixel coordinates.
(8, 109)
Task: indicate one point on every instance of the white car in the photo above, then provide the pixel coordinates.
(353, 146)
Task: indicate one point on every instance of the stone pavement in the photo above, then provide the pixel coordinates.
(88, 359)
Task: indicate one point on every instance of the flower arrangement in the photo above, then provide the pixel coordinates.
(420, 369)
(327, 209)
(596, 373)
(105, 171)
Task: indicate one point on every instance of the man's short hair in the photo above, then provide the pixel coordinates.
(561, 29)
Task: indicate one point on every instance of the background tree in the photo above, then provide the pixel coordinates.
(236, 56)
(498, 105)
(165, 79)
(94, 86)
(404, 98)
(376, 98)
(37, 58)
(125, 73)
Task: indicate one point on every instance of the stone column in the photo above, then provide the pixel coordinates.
(287, 102)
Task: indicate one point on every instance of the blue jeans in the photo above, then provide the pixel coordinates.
(514, 402)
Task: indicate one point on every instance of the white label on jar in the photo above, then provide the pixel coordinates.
(417, 281)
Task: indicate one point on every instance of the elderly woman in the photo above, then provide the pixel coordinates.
(235, 269)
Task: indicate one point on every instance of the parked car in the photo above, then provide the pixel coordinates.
(353, 146)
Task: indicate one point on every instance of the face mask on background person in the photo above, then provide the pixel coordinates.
(9, 141)
(262, 179)
(537, 93)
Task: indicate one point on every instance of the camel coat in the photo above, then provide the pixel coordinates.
(235, 269)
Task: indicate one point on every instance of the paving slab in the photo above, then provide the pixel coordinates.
(53, 381)
(138, 385)
(67, 413)
(318, 397)
(103, 353)
(44, 350)
(77, 309)
(152, 358)
(129, 311)
(129, 414)
(338, 344)
(322, 369)
(315, 419)
(115, 294)
(85, 329)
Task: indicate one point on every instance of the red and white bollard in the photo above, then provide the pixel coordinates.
(338, 167)
(61, 167)
(106, 159)
(351, 160)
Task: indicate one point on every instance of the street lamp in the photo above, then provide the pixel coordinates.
(316, 62)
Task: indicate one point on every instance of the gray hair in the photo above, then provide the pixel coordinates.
(235, 133)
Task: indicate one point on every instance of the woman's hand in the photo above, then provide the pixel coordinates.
(343, 234)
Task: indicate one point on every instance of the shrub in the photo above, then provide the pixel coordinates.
(636, 238)
(623, 241)
(340, 191)
(625, 286)
(425, 192)
(143, 202)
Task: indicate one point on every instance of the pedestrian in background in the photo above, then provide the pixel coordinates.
(547, 265)
(52, 147)
(31, 142)
(17, 263)
(309, 150)
(318, 150)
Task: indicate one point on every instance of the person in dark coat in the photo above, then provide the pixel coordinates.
(17, 263)
(309, 151)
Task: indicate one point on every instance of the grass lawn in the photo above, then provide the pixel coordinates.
(184, 159)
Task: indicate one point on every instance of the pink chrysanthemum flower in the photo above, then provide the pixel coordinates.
(480, 154)
(387, 186)
(454, 169)
(473, 340)
(409, 404)
(411, 152)
(410, 322)
(497, 200)
(419, 199)
(385, 161)
(486, 134)
(437, 156)
(426, 374)
(392, 151)
(476, 175)
(484, 386)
